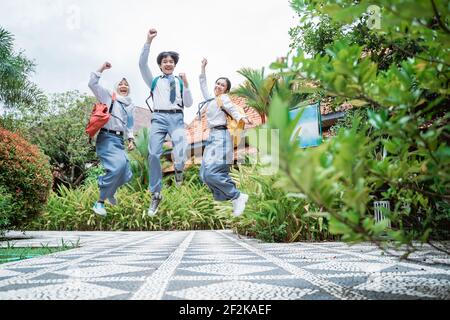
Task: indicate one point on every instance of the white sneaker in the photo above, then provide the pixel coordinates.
(239, 204)
(99, 208)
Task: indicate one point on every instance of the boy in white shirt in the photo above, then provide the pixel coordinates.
(170, 95)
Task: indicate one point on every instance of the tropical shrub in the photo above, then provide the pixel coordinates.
(400, 153)
(189, 207)
(139, 159)
(25, 176)
(274, 215)
(60, 133)
(92, 174)
(7, 209)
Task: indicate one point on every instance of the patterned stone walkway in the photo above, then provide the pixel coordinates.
(216, 265)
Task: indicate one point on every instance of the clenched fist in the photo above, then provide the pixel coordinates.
(105, 66)
(152, 33)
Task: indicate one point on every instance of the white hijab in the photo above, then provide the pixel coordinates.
(125, 100)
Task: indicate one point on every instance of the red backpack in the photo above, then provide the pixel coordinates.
(99, 117)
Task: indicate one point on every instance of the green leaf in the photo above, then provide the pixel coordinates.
(337, 227)
(279, 114)
(358, 103)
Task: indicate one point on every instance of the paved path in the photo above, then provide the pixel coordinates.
(215, 265)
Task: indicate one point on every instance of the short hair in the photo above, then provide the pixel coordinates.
(227, 81)
(174, 55)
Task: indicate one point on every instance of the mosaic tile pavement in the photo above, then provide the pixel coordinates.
(216, 265)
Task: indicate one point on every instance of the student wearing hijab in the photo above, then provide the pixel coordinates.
(110, 144)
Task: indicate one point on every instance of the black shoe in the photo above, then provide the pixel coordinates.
(178, 178)
(156, 200)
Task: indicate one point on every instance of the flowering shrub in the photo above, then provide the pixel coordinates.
(25, 174)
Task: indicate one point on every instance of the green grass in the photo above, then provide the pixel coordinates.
(11, 253)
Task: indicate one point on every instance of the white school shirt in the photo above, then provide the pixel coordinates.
(214, 114)
(161, 94)
(122, 118)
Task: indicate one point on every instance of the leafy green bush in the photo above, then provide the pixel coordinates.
(60, 134)
(7, 209)
(397, 149)
(189, 207)
(92, 174)
(272, 214)
(25, 175)
(139, 159)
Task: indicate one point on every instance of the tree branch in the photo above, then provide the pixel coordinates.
(419, 57)
(438, 17)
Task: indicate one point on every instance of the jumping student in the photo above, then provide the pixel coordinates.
(170, 95)
(110, 146)
(218, 154)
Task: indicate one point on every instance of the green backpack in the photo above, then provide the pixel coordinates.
(155, 81)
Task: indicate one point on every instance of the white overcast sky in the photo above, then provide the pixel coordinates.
(70, 38)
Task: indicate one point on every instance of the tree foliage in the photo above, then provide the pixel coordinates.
(60, 133)
(19, 96)
(401, 153)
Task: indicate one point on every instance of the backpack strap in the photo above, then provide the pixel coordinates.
(121, 104)
(221, 106)
(200, 107)
(152, 88)
(155, 81)
(181, 85)
(113, 99)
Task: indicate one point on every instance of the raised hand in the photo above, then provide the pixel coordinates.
(152, 33)
(105, 66)
(204, 63)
